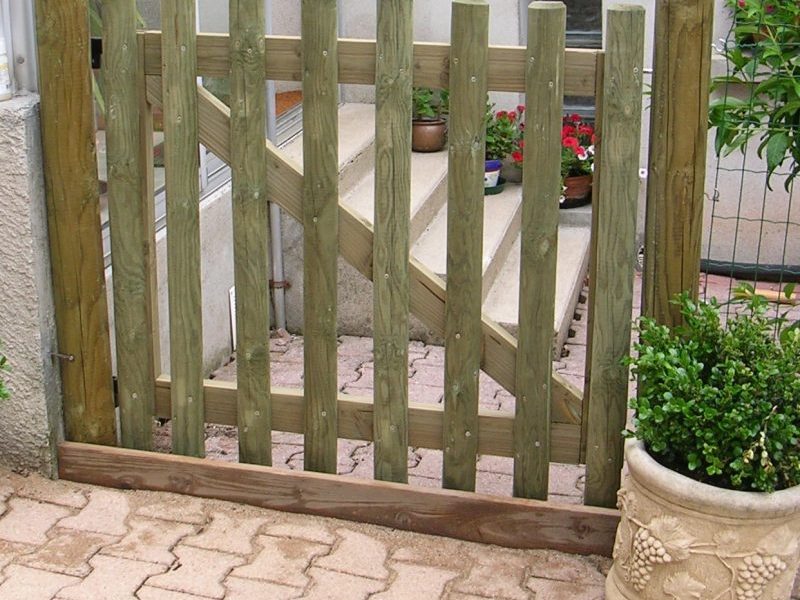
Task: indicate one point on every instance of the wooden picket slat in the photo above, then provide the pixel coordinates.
(428, 294)
(357, 62)
(147, 206)
(181, 161)
(73, 221)
(611, 303)
(467, 141)
(391, 241)
(541, 188)
(250, 229)
(320, 230)
(127, 220)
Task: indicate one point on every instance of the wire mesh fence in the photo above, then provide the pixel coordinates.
(752, 213)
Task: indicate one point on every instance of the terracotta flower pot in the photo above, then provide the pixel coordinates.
(579, 187)
(428, 135)
(679, 538)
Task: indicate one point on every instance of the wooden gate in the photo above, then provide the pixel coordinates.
(553, 419)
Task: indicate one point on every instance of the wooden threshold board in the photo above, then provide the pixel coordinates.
(509, 522)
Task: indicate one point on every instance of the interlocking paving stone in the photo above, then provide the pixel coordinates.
(197, 571)
(309, 530)
(416, 581)
(547, 589)
(172, 507)
(347, 586)
(68, 551)
(356, 554)
(105, 513)
(282, 560)
(24, 583)
(150, 540)
(227, 533)
(112, 578)
(250, 589)
(27, 521)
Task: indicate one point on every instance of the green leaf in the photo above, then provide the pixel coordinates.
(776, 150)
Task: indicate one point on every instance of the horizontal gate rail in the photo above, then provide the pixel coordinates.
(357, 62)
(510, 522)
(355, 419)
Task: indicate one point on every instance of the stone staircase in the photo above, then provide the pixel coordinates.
(501, 236)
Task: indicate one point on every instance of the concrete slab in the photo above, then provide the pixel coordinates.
(502, 303)
(500, 226)
(428, 191)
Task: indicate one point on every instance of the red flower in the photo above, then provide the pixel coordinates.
(770, 8)
(517, 156)
(571, 142)
(512, 115)
(575, 118)
(742, 3)
(520, 108)
(501, 114)
(585, 130)
(568, 131)
(521, 144)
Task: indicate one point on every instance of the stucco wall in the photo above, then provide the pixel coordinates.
(30, 419)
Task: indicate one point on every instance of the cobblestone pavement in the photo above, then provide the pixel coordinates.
(64, 541)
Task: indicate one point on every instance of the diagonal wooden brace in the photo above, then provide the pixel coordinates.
(428, 294)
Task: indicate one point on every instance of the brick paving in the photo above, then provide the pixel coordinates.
(65, 541)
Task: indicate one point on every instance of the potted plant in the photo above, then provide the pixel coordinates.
(428, 124)
(760, 97)
(577, 161)
(502, 136)
(710, 500)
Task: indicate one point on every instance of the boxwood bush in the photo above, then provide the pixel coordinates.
(718, 402)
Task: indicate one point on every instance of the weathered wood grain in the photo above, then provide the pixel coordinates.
(250, 229)
(147, 205)
(320, 230)
(357, 63)
(129, 259)
(467, 143)
(508, 522)
(355, 420)
(541, 188)
(616, 253)
(678, 147)
(73, 219)
(391, 239)
(428, 295)
(181, 162)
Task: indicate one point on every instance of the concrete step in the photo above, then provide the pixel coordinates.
(356, 142)
(501, 223)
(428, 191)
(502, 303)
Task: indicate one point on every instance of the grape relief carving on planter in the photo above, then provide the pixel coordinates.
(641, 547)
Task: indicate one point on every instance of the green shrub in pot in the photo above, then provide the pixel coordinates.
(710, 498)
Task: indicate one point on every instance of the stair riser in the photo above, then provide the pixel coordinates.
(501, 252)
(429, 208)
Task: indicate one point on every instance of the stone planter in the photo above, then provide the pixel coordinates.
(681, 539)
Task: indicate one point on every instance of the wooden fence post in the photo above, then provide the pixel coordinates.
(393, 72)
(468, 85)
(250, 229)
(320, 230)
(129, 227)
(76, 251)
(611, 304)
(181, 161)
(541, 188)
(678, 145)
